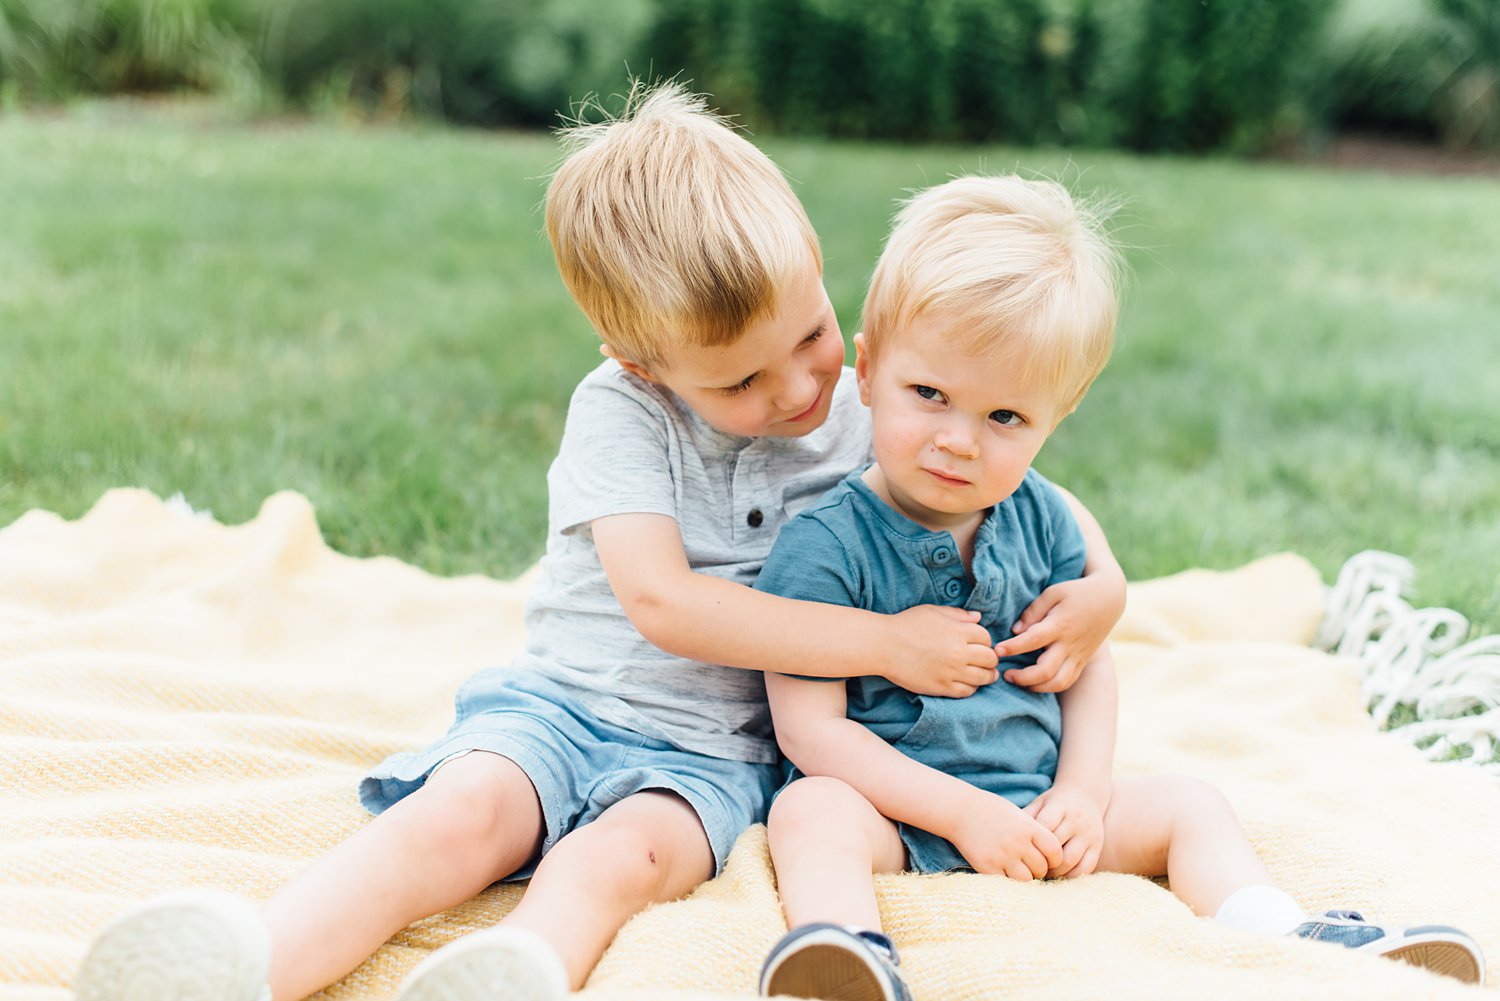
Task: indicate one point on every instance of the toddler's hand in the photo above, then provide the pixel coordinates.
(935, 650)
(1078, 821)
(997, 837)
(1072, 620)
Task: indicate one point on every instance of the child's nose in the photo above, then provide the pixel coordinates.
(956, 440)
(798, 391)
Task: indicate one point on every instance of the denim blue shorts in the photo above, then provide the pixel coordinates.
(580, 765)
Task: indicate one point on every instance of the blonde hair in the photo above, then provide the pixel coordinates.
(1018, 266)
(668, 226)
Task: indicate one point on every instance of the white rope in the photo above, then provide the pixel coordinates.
(1416, 657)
(1350, 617)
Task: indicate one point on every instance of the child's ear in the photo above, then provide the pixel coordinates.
(635, 369)
(862, 368)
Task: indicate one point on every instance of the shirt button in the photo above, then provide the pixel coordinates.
(754, 518)
(942, 555)
(953, 588)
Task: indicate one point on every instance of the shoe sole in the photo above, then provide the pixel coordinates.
(1448, 958)
(198, 947)
(829, 972)
(483, 971)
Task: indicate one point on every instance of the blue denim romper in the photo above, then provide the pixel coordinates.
(851, 548)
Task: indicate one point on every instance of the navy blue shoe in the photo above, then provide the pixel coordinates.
(836, 964)
(1438, 948)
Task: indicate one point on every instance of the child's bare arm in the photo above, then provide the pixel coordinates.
(1074, 807)
(927, 649)
(1073, 619)
(818, 737)
(1090, 713)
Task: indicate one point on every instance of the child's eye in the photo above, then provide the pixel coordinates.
(813, 337)
(928, 393)
(1007, 418)
(738, 387)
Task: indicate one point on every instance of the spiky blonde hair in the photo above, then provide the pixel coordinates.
(1018, 266)
(670, 227)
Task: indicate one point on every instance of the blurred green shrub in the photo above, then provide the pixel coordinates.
(1206, 75)
(1430, 68)
(497, 62)
(50, 49)
(1380, 66)
(1152, 74)
(1468, 44)
(479, 61)
(1148, 74)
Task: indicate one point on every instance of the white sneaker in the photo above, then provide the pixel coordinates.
(501, 964)
(834, 963)
(192, 945)
(1440, 948)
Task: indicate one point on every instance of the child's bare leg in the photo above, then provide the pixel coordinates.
(826, 841)
(475, 821)
(1184, 829)
(647, 848)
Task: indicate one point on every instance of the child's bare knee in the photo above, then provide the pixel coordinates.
(811, 804)
(1192, 798)
(621, 861)
(470, 810)
(438, 827)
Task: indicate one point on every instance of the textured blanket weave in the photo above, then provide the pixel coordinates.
(184, 703)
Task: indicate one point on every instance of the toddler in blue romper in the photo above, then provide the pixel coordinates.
(990, 313)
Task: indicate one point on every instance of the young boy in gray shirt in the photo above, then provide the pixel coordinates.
(615, 761)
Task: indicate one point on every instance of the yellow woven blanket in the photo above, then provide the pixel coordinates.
(188, 704)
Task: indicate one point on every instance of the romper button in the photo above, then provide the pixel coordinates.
(941, 555)
(754, 518)
(953, 588)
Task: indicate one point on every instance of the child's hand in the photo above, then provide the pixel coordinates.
(996, 837)
(1072, 620)
(1077, 819)
(935, 650)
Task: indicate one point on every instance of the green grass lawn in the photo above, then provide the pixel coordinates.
(1308, 359)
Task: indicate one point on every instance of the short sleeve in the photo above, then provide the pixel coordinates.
(615, 457)
(809, 563)
(1068, 549)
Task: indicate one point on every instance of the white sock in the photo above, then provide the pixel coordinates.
(1262, 909)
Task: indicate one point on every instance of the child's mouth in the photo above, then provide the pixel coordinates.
(944, 478)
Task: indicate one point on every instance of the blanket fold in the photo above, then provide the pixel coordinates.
(184, 703)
